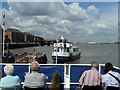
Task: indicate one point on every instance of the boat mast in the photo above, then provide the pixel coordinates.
(56, 50)
(3, 27)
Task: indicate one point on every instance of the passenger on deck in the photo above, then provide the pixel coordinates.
(10, 81)
(91, 79)
(35, 79)
(108, 80)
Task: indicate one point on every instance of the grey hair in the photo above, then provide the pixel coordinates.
(35, 68)
(94, 64)
(9, 69)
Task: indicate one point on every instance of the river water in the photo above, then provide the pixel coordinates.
(89, 52)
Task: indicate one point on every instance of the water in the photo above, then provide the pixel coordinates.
(89, 52)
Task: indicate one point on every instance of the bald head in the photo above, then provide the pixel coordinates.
(35, 66)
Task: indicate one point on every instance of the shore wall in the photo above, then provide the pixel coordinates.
(20, 45)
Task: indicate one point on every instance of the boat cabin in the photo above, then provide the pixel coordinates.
(61, 47)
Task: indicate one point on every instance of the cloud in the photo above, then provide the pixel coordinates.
(27, 23)
(102, 26)
(72, 12)
(50, 20)
(36, 8)
(45, 19)
(75, 13)
(93, 12)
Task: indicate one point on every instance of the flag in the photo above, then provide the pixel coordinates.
(4, 16)
(3, 23)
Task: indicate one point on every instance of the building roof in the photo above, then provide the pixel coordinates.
(12, 30)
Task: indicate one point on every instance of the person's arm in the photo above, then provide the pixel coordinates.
(102, 86)
(103, 82)
(80, 85)
(19, 85)
(81, 80)
(45, 77)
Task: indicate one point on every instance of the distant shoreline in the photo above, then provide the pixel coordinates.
(98, 43)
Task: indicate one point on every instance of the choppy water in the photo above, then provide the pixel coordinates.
(89, 52)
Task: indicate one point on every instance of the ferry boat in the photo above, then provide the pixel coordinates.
(64, 51)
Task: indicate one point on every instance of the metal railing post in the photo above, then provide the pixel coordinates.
(65, 75)
(29, 68)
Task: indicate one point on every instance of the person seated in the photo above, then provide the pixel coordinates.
(10, 81)
(35, 79)
(110, 80)
(91, 79)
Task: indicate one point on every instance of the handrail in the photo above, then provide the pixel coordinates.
(66, 77)
(54, 64)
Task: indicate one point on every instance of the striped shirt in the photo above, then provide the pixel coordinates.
(91, 78)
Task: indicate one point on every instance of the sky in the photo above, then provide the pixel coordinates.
(77, 21)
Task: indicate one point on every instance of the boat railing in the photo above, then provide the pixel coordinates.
(70, 73)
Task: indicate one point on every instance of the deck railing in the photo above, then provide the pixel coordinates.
(70, 73)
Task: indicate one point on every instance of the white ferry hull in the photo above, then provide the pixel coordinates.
(62, 59)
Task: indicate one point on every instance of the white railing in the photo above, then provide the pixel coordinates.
(67, 69)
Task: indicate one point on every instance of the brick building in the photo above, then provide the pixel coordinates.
(28, 37)
(14, 35)
(17, 36)
(38, 39)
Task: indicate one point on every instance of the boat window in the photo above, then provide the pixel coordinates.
(75, 49)
(60, 40)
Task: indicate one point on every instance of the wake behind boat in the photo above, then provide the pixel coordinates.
(64, 51)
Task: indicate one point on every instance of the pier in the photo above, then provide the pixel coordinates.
(19, 45)
(27, 44)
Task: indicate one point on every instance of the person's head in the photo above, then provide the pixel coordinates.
(9, 69)
(108, 66)
(6, 36)
(95, 64)
(35, 66)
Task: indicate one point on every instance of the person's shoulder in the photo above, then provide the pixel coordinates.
(104, 75)
(86, 71)
(6, 77)
(98, 72)
(16, 77)
(28, 74)
(10, 77)
(3, 78)
(115, 72)
(42, 74)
